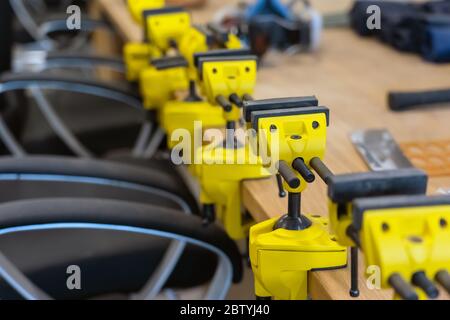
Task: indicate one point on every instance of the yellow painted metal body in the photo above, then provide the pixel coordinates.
(157, 87)
(228, 77)
(183, 115)
(137, 57)
(192, 42)
(233, 42)
(195, 41)
(281, 259)
(137, 7)
(161, 29)
(221, 182)
(295, 137)
(340, 221)
(415, 240)
(166, 27)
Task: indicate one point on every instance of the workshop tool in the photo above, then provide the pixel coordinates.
(220, 174)
(163, 29)
(408, 238)
(283, 250)
(162, 25)
(200, 39)
(379, 150)
(343, 189)
(422, 28)
(162, 79)
(398, 228)
(222, 75)
(226, 79)
(192, 114)
(403, 101)
(166, 26)
(269, 24)
(185, 114)
(401, 192)
(383, 155)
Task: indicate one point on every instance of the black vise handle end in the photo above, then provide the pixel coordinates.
(281, 192)
(322, 170)
(420, 280)
(402, 288)
(234, 99)
(300, 166)
(224, 103)
(288, 174)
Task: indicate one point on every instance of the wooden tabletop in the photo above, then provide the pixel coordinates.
(351, 76)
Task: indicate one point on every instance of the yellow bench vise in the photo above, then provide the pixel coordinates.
(163, 29)
(226, 162)
(160, 82)
(199, 39)
(192, 116)
(226, 73)
(294, 130)
(221, 172)
(137, 57)
(363, 209)
(281, 259)
(343, 189)
(408, 238)
(283, 251)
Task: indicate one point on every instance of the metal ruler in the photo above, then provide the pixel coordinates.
(379, 150)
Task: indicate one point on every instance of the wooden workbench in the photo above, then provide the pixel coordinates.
(351, 76)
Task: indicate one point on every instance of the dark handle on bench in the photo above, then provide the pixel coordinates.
(401, 101)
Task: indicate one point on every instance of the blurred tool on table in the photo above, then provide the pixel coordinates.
(264, 24)
(422, 28)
